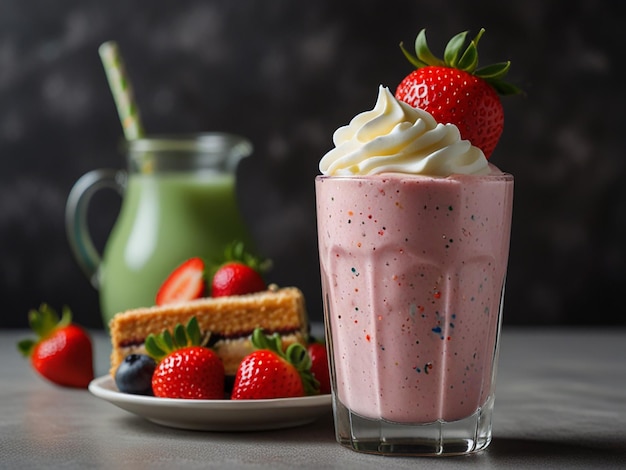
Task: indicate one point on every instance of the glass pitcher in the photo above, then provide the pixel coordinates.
(178, 202)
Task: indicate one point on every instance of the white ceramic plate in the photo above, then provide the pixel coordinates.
(215, 415)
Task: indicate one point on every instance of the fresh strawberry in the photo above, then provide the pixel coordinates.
(270, 372)
(240, 274)
(62, 352)
(319, 365)
(185, 369)
(236, 279)
(194, 372)
(454, 91)
(186, 282)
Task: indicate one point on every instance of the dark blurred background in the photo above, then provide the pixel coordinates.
(286, 74)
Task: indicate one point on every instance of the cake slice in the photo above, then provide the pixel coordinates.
(229, 320)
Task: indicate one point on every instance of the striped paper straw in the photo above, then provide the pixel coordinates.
(122, 90)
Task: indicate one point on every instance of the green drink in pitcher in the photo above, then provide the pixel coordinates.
(182, 216)
(179, 201)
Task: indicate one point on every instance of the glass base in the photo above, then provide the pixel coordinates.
(466, 436)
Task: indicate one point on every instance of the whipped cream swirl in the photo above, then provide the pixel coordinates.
(395, 137)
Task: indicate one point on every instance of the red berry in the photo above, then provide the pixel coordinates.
(319, 365)
(186, 282)
(270, 372)
(454, 91)
(63, 352)
(263, 374)
(457, 97)
(185, 368)
(194, 372)
(236, 278)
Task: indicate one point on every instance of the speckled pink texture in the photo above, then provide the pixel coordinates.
(413, 269)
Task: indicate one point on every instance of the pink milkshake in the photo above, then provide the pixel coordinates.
(413, 269)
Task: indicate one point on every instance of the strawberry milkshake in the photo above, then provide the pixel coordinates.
(413, 227)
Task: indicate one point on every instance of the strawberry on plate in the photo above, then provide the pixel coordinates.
(240, 274)
(62, 353)
(185, 368)
(454, 90)
(236, 278)
(186, 282)
(270, 372)
(319, 365)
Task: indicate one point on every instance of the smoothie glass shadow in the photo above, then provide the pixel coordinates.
(413, 271)
(178, 201)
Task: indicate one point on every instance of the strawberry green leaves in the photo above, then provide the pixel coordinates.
(159, 346)
(236, 252)
(459, 56)
(43, 322)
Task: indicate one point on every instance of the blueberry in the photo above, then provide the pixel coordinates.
(134, 374)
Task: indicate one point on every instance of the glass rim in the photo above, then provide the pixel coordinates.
(501, 176)
(199, 142)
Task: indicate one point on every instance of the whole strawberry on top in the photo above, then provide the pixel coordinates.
(185, 368)
(454, 90)
(241, 273)
(270, 372)
(62, 352)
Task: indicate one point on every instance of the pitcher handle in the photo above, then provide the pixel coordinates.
(76, 226)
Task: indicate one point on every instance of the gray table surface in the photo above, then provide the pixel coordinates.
(561, 403)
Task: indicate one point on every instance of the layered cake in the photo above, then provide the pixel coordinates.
(229, 320)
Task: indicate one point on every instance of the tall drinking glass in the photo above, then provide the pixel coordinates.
(413, 272)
